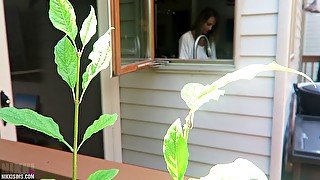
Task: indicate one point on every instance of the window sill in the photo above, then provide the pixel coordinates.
(187, 66)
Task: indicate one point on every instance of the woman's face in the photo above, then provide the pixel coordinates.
(207, 26)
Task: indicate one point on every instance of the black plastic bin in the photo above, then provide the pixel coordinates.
(308, 99)
(306, 142)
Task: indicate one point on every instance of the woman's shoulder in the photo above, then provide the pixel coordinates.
(186, 36)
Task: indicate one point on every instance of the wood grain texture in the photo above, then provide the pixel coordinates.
(59, 162)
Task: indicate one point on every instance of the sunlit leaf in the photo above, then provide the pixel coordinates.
(62, 16)
(67, 61)
(195, 95)
(104, 174)
(175, 151)
(89, 27)
(192, 91)
(101, 56)
(32, 120)
(104, 121)
(239, 169)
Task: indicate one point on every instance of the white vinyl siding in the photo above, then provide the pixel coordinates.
(255, 45)
(239, 125)
(311, 42)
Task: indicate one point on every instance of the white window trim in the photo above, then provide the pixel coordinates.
(215, 68)
(110, 95)
(280, 89)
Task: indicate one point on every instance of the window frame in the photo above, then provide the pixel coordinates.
(143, 63)
(117, 67)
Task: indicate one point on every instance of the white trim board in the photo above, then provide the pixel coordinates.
(110, 98)
(280, 93)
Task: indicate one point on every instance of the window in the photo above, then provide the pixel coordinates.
(149, 30)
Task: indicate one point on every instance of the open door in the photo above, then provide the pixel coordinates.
(7, 131)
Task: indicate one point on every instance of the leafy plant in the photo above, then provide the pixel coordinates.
(175, 145)
(68, 60)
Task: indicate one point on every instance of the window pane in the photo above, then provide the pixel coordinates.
(175, 18)
(134, 23)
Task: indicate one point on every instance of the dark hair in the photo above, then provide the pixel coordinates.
(204, 15)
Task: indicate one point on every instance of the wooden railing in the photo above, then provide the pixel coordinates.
(50, 163)
(310, 66)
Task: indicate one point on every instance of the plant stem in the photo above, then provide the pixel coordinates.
(186, 132)
(76, 122)
(188, 125)
(75, 140)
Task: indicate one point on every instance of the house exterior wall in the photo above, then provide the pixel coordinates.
(239, 125)
(311, 33)
(311, 40)
(298, 29)
(288, 54)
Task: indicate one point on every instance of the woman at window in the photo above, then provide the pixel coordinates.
(204, 25)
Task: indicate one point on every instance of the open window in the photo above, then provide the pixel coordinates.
(147, 32)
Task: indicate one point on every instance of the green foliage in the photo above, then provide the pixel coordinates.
(195, 95)
(32, 120)
(62, 16)
(66, 59)
(104, 174)
(175, 151)
(88, 28)
(101, 56)
(104, 121)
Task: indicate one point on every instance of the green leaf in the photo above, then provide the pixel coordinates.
(66, 59)
(88, 28)
(32, 120)
(175, 150)
(191, 92)
(101, 56)
(104, 174)
(62, 16)
(104, 121)
(195, 94)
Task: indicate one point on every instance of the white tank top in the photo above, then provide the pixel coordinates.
(186, 42)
